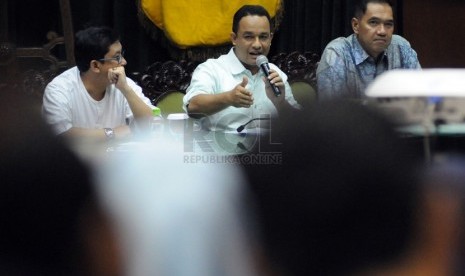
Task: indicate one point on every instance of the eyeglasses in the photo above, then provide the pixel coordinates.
(118, 58)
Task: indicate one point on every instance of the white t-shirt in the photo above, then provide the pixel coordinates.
(67, 104)
(222, 74)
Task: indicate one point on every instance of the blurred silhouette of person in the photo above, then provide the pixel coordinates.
(350, 199)
(177, 218)
(50, 217)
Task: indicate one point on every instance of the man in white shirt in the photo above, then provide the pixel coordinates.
(230, 90)
(95, 98)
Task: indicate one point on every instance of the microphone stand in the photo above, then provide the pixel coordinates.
(241, 128)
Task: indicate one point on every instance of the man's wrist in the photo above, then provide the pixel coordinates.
(126, 89)
(109, 133)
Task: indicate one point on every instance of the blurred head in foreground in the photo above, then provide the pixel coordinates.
(345, 199)
(176, 218)
(48, 211)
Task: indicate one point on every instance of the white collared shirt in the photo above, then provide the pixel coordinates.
(222, 74)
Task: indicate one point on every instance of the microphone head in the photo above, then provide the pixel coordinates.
(261, 60)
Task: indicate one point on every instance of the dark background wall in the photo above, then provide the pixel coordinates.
(306, 25)
(436, 30)
(433, 27)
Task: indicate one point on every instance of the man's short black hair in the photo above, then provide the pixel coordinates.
(361, 6)
(93, 43)
(250, 10)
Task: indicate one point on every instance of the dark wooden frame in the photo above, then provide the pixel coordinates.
(162, 77)
(33, 81)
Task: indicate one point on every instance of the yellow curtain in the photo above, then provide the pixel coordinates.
(188, 23)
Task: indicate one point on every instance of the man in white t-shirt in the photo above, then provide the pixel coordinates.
(95, 99)
(228, 91)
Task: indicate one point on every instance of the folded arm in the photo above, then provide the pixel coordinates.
(119, 133)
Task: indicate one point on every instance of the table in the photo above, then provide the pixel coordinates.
(436, 138)
(193, 145)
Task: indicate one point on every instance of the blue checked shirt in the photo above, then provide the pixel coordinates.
(345, 69)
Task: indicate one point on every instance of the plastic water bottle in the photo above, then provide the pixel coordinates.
(157, 123)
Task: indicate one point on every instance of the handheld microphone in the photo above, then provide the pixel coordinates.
(241, 128)
(262, 62)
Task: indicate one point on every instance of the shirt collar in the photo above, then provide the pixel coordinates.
(360, 54)
(235, 64)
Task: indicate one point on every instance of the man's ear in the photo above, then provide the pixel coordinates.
(355, 25)
(233, 37)
(94, 66)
